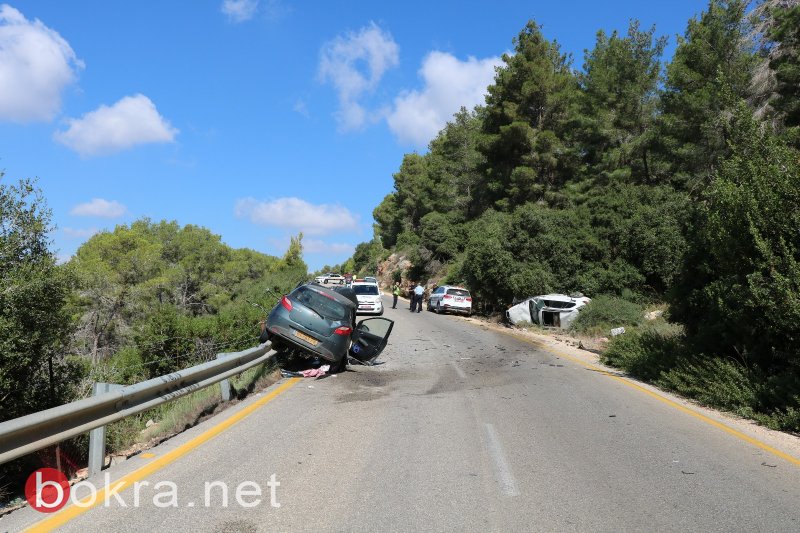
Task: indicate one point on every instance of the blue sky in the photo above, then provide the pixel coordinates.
(257, 119)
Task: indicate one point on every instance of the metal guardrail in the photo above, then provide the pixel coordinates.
(29, 433)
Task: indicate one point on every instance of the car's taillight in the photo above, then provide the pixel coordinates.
(287, 303)
(343, 330)
(447, 297)
(469, 298)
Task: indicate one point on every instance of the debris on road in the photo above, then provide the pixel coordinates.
(307, 373)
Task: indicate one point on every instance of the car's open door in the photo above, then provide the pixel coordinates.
(370, 338)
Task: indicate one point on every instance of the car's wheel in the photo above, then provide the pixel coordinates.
(264, 337)
(430, 307)
(339, 366)
(438, 307)
(381, 313)
(278, 345)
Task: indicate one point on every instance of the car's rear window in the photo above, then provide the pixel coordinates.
(366, 289)
(326, 306)
(458, 292)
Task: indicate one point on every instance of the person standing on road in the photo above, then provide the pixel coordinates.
(419, 290)
(395, 294)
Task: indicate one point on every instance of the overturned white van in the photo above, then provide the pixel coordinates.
(554, 310)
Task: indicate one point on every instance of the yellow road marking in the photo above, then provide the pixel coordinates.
(73, 511)
(719, 425)
(147, 455)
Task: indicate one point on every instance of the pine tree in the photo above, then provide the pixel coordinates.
(527, 112)
(710, 72)
(619, 85)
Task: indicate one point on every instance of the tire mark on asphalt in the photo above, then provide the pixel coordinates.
(508, 485)
(460, 372)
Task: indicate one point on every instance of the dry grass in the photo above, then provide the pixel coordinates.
(130, 436)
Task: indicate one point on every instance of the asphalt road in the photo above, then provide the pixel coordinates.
(462, 429)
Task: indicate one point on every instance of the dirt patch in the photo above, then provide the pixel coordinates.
(446, 384)
(369, 383)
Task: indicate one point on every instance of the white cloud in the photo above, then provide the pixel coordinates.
(297, 214)
(99, 208)
(239, 10)
(354, 64)
(131, 121)
(74, 233)
(275, 10)
(36, 63)
(418, 116)
(315, 246)
(301, 108)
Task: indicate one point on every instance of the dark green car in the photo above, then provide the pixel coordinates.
(315, 321)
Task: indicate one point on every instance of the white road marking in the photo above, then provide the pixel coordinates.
(460, 372)
(508, 485)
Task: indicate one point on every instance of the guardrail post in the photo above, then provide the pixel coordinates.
(224, 385)
(97, 436)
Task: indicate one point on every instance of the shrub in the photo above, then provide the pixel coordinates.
(648, 351)
(722, 383)
(660, 353)
(605, 312)
(743, 276)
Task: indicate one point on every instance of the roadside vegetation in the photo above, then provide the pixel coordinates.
(130, 435)
(137, 302)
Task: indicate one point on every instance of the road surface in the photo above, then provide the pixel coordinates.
(463, 428)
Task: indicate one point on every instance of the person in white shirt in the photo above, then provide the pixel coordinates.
(419, 291)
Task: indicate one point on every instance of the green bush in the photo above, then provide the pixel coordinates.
(773, 401)
(660, 353)
(647, 351)
(722, 383)
(605, 312)
(744, 275)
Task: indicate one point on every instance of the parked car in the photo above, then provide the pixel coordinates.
(370, 279)
(553, 310)
(322, 277)
(314, 321)
(333, 279)
(369, 297)
(450, 298)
